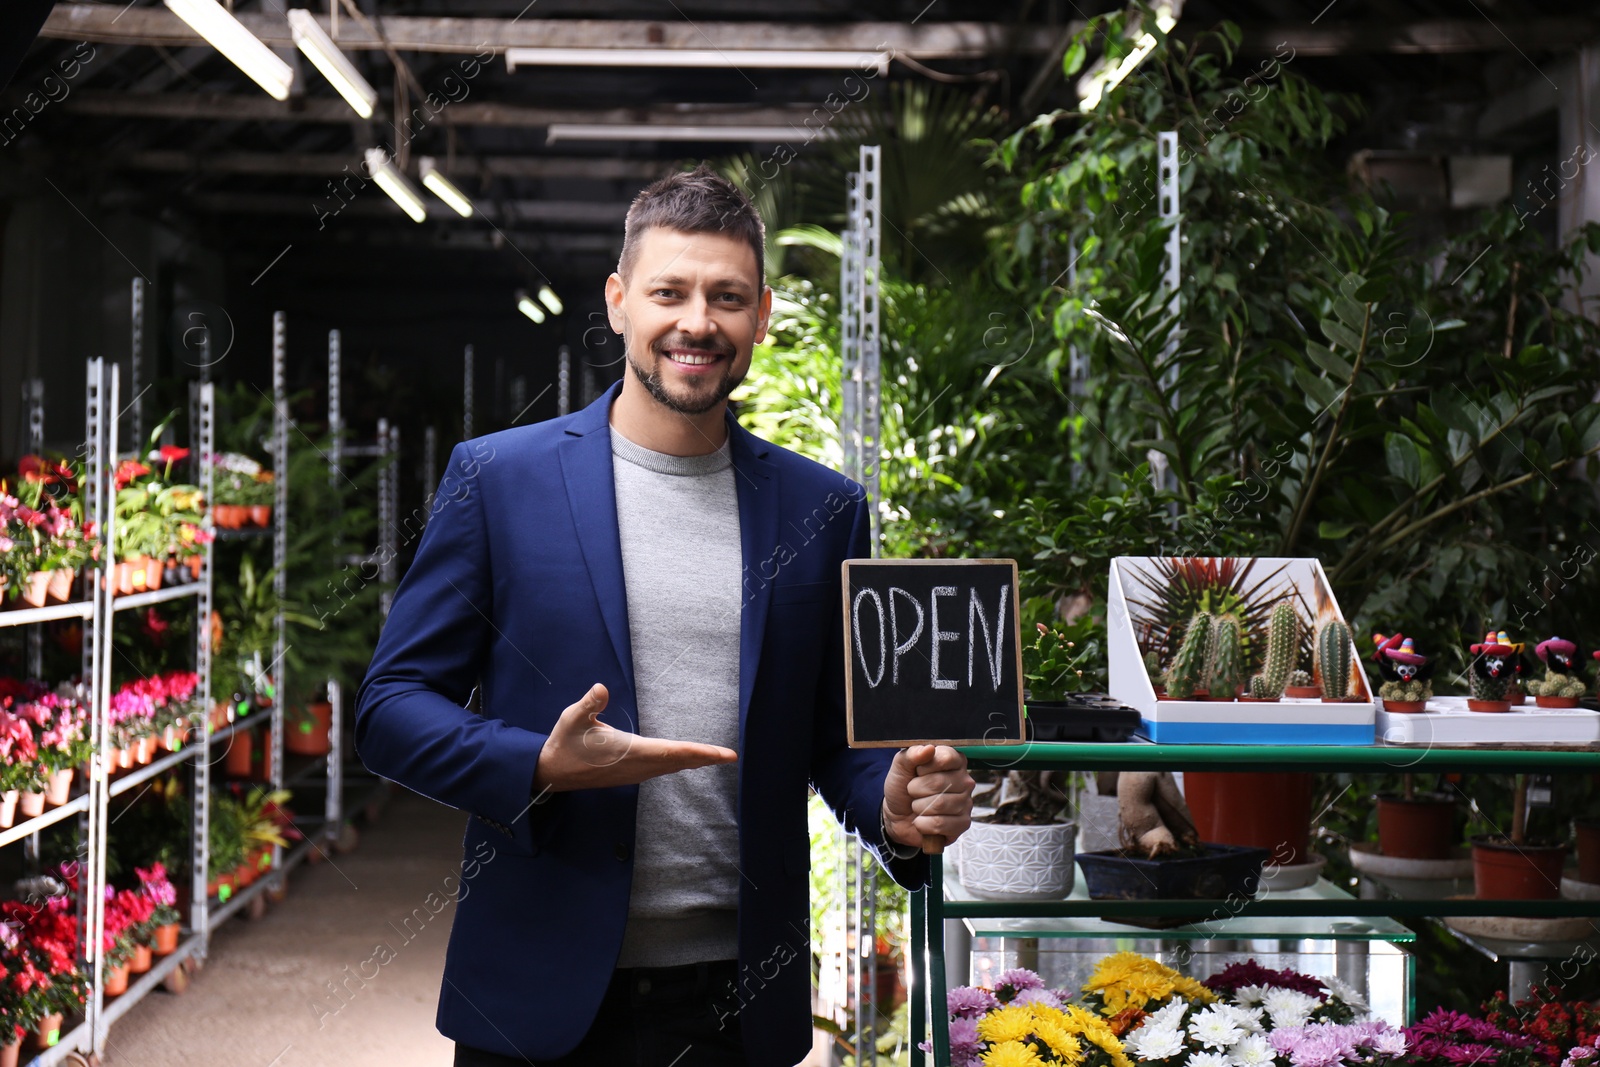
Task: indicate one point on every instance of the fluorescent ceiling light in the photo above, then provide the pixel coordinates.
(526, 305)
(1094, 86)
(318, 47)
(548, 297)
(444, 188)
(629, 131)
(391, 181)
(241, 47)
(708, 58)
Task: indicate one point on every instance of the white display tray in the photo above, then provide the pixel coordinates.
(1448, 722)
(1288, 721)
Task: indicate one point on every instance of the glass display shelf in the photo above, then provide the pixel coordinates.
(1328, 924)
(1400, 759)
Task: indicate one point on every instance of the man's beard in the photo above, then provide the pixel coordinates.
(700, 402)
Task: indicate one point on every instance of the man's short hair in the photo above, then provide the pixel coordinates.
(696, 201)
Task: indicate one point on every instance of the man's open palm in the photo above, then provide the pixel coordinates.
(585, 753)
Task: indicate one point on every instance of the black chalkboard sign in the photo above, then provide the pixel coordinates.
(932, 652)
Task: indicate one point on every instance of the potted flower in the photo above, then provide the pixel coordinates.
(1407, 675)
(163, 923)
(1490, 676)
(61, 724)
(1413, 825)
(1516, 866)
(44, 524)
(260, 495)
(1023, 850)
(1562, 684)
(227, 846)
(234, 481)
(1451, 1039)
(1555, 1022)
(118, 945)
(152, 512)
(19, 767)
(1022, 1022)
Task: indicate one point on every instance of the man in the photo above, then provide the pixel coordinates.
(646, 597)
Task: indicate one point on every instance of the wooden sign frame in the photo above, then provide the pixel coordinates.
(849, 651)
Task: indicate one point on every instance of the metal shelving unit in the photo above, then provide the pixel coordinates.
(931, 907)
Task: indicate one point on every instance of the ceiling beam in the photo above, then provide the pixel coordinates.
(1434, 37)
(258, 107)
(928, 40)
(332, 164)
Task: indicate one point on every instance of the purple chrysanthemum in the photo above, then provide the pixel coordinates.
(1009, 983)
(1249, 972)
(969, 1002)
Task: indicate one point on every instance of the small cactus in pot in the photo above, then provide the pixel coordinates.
(1225, 673)
(1562, 684)
(1334, 660)
(1283, 642)
(1407, 674)
(1187, 673)
(1301, 686)
(1491, 674)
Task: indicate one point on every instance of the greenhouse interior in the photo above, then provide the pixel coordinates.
(1195, 402)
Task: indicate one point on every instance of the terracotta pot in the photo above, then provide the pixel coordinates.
(35, 589)
(1516, 694)
(166, 939)
(1405, 707)
(117, 981)
(1422, 828)
(1556, 702)
(59, 590)
(261, 514)
(1302, 692)
(31, 804)
(306, 733)
(194, 564)
(59, 787)
(221, 882)
(1488, 705)
(1270, 810)
(146, 750)
(231, 516)
(142, 960)
(125, 757)
(1587, 831)
(8, 808)
(48, 1032)
(244, 874)
(1503, 871)
(236, 763)
(139, 571)
(9, 1053)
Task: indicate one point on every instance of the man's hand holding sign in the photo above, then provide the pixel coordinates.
(934, 661)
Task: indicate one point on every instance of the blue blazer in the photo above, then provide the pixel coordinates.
(517, 589)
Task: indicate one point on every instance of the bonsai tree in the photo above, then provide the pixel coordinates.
(1562, 678)
(1153, 816)
(1407, 674)
(1283, 644)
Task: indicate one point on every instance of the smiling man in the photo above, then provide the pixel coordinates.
(659, 687)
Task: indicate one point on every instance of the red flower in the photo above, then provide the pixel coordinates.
(172, 453)
(128, 470)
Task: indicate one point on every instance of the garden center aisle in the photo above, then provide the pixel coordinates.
(267, 993)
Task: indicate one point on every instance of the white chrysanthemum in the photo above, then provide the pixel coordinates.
(1346, 992)
(1289, 1007)
(1171, 1014)
(1250, 995)
(1253, 1051)
(1154, 1042)
(1214, 1029)
(1207, 1059)
(1390, 1043)
(1246, 1019)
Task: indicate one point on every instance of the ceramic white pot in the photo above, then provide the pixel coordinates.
(1001, 862)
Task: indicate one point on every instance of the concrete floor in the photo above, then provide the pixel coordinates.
(266, 995)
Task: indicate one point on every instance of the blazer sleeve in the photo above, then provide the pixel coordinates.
(412, 725)
(849, 779)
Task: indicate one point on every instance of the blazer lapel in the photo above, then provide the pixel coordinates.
(586, 468)
(757, 485)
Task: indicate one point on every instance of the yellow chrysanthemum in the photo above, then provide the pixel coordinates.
(1190, 989)
(1096, 1031)
(1066, 1048)
(1112, 969)
(1012, 1054)
(1011, 1023)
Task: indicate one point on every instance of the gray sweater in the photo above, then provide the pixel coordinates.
(678, 517)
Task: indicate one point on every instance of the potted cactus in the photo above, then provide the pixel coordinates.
(1283, 643)
(1491, 674)
(1225, 671)
(1188, 671)
(1335, 662)
(1562, 683)
(1152, 668)
(1301, 686)
(1407, 674)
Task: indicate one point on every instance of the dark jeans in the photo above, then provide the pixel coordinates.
(650, 1017)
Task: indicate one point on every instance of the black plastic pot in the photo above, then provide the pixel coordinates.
(1225, 871)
